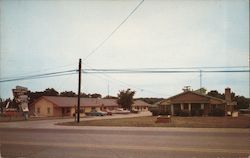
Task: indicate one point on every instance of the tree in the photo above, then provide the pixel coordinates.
(151, 100)
(95, 95)
(68, 94)
(84, 95)
(216, 94)
(47, 92)
(1, 105)
(34, 96)
(110, 97)
(50, 92)
(12, 104)
(242, 102)
(125, 98)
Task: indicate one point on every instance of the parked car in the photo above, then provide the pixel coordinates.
(96, 113)
(135, 111)
(121, 111)
(108, 112)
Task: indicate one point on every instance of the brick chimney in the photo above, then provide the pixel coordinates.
(228, 95)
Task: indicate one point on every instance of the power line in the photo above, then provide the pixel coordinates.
(34, 72)
(44, 75)
(111, 34)
(19, 79)
(126, 71)
(170, 68)
(116, 71)
(113, 71)
(124, 83)
(127, 84)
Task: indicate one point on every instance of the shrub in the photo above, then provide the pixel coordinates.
(217, 112)
(201, 112)
(193, 112)
(155, 112)
(164, 113)
(184, 113)
(177, 112)
(198, 112)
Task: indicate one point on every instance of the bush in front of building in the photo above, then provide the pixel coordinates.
(193, 112)
(198, 112)
(217, 112)
(201, 112)
(155, 112)
(177, 112)
(184, 113)
(164, 113)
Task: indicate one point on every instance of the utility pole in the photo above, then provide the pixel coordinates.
(79, 90)
(200, 80)
(108, 89)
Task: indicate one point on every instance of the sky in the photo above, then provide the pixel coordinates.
(40, 36)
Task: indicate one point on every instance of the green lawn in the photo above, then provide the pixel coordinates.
(199, 122)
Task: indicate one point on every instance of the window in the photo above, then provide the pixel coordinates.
(213, 107)
(68, 110)
(81, 110)
(48, 110)
(38, 110)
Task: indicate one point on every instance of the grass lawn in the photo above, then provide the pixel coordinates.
(21, 118)
(149, 121)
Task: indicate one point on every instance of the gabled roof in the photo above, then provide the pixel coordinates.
(61, 101)
(168, 100)
(85, 102)
(109, 102)
(71, 101)
(140, 103)
(209, 96)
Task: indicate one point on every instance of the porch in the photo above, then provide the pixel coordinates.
(190, 109)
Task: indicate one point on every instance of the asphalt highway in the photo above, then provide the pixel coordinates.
(131, 142)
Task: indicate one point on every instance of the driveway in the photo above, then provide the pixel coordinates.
(51, 123)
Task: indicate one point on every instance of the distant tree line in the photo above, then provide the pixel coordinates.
(3, 103)
(52, 92)
(242, 102)
(47, 92)
(124, 98)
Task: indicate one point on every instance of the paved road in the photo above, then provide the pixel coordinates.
(114, 142)
(43, 139)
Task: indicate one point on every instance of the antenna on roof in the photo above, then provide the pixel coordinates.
(186, 88)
